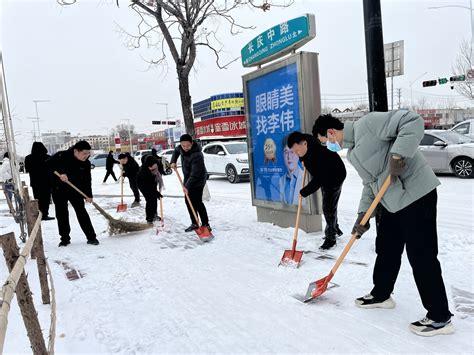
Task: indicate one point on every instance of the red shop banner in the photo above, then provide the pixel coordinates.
(228, 126)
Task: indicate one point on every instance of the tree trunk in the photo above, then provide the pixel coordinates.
(24, 298)
(183, 79)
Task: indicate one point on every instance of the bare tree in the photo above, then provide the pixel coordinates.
(464, 62)
(122, 130)
(423, 104)
(181, 26)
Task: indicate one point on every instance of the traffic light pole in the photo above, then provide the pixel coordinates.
(375, 56)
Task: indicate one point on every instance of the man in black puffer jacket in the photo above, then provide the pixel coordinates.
(130, 170)
(328, 173)
(109, 167)
(40, 178)
(73, 165)
(148, 180)
(195, 174)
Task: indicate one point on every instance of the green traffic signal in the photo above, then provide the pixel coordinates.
(458, 78)
(442, 80)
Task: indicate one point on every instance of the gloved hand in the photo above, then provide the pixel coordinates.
(159, 195)
(304, 192)
(397, 166)
(359, 229)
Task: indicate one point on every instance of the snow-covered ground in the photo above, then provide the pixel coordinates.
(148, 293)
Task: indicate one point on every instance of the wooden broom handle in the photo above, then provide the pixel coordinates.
(187, 197)
(298, 213)
(367, 215)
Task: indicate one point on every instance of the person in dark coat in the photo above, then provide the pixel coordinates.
(40, 177)
(328, 173)
(154, 154)
(195, 174)
(73, 165)
(130, 170)
(149, 181)
(109, 167)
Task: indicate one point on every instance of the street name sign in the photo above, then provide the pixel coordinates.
(279, 40)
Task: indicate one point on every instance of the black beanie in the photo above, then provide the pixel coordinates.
(186, 138)
(150, 161)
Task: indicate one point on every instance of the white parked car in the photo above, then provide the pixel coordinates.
(167, 154)
(465, 127)
(448, 152)
(228, 159)
(138, 155)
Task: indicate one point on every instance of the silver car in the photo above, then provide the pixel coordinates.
(448, 152)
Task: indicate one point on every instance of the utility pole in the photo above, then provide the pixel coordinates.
(375, 56)
(399, 90)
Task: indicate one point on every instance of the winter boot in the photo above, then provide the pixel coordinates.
(368, 301)
(135, 204)
(191, 228)
(64, 243)
(47, 218)
(428, 328)
(93, 241)
(339, 232)
(329, 242)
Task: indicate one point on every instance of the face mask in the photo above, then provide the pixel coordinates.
(333, 147)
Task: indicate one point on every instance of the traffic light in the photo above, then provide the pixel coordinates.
(442, 81)
(155, 122)
(457, 78)
(429, 83)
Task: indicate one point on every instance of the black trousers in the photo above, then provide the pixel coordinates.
(61, 200)
(132, 180)
(413, 227)
(43, 195)
(151, 206)
(330, 201)
(111, 173)
(195, 195)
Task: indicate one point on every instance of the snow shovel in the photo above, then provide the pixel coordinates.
(203, 232)
(122, 207)
(318, 287)
(293, 257)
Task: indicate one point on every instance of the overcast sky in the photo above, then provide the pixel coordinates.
(77, 58)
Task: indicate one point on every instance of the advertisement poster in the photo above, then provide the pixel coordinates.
(273, 115)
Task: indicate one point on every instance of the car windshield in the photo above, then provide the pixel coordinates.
(454, 137)
(236, 148)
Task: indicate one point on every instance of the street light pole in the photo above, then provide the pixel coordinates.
(411, 89)
(462, 7)
(37, 117)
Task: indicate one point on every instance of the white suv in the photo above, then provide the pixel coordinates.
(227, 159)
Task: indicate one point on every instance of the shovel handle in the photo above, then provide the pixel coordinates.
(298, 213)
(367, 215)
(121, 185)
(187, 196)
(161, 210)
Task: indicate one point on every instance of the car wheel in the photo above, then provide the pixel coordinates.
(462, 167)
(92, 166)
(169, 171)
(232, 174)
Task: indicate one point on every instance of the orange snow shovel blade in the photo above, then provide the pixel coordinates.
(122, 207)
(291, 258)
(204, 234)
(317, 288)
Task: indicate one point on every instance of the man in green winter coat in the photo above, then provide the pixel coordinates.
(381, 144)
